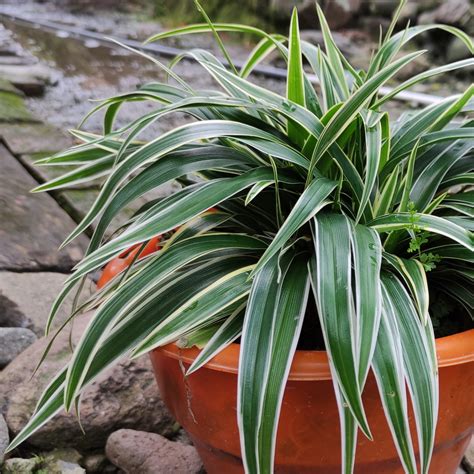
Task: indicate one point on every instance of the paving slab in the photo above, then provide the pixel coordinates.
(32, 226)
(29, 139)
(26, 299)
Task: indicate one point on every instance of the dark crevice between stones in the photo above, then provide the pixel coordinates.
(41, 269)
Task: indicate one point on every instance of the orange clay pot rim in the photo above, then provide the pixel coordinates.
(313, 365)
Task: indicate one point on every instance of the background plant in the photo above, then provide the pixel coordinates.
(318, 195)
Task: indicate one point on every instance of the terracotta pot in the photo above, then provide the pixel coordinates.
(309, 436)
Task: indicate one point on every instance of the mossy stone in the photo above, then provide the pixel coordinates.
(13, 109)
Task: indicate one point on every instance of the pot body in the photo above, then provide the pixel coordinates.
(308, 438)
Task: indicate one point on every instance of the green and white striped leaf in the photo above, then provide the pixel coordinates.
(367, 260)
(419, 363)
(373, 143)
(344, 116)
(295, 80)
(434, 224)
(331, 281)
(228, 332)
(414, 275)
(255, 356)
(168, 217)
(171, 141)
(389, 373)
(308, 205)
(146, 284)
(289, 316)
(197, 310)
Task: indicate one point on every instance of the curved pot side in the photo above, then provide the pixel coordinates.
(308, 436)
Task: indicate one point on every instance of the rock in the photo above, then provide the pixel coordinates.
(20, 466)
(149, 453)
(13, 110)
(468, 461)
(32, 226)
(460, 470)
(66, 454)
(457, 50)
(451, 12)
(28, 139)
(63, 467)
(425, 5)
(26, 299)
(10, 314)
(13, 341)
(95, 463)
(339, 13)
(31, 79)
(125, 396)
(62, 461)
(385, 8)
(4, 439)
(371, 25)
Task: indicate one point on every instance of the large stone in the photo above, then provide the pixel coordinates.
(14, 341)
(468, 461)
(4, 439)
(28, 139)
(149, 453)
(32, 226)
(124, 396)
(340, 13)
(26, 299)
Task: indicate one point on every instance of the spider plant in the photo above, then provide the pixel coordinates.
(320, 197)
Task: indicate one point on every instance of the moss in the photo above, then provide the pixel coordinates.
(13, 109)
